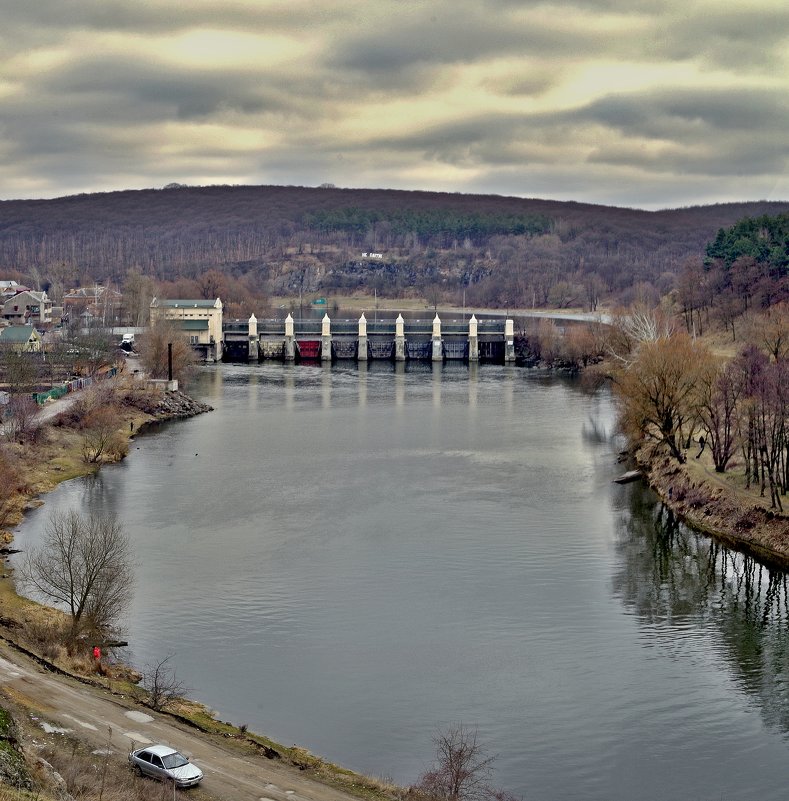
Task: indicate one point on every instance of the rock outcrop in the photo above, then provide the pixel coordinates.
(13, 769)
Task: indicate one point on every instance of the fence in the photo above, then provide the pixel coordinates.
(71, 386)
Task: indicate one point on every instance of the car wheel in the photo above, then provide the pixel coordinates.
(138, 771)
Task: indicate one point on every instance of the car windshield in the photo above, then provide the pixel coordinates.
(175, 760)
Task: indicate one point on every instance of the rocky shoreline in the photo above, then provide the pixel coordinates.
(714, 509)
(171, 405)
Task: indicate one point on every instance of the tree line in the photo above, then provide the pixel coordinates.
(439, 226)
(500, 251)
(745, 269)
(672, 389)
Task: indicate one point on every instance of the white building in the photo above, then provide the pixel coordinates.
(200, 320)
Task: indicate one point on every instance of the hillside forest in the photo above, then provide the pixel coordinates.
(249, 245)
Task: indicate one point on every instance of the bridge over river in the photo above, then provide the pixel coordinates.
(394, 340)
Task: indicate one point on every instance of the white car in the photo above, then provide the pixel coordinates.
(166, 764)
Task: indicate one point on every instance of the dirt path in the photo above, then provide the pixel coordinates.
(89, 713)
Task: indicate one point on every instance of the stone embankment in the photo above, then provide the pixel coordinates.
(710, 505)
(171, 405)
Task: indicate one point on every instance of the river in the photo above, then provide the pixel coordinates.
(350, 559)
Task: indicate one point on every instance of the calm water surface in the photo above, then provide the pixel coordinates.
(348, 560)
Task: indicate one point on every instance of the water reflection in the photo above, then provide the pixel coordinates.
(473, 385)
(362, 387)
(679, 583)
(381, 566)
(399, 373)
(289, 396)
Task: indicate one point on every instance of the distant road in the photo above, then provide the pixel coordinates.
(586, 317)
(581, 317)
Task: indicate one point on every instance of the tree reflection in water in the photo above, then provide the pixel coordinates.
(680, 584)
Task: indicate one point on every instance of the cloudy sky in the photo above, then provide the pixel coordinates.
(645, 103)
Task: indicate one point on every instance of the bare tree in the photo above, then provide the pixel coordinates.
(162, 684)
(770, 331)
(83, 563)
(95, 346)
(101, 437)
(461, 769)
(21, 423)
(630, 329)
(138, 292)
(719, 395)
(152, 347)
(18, 369)
(9, 484)
(213, 284)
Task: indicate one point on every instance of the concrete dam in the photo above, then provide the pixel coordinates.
(399, 340)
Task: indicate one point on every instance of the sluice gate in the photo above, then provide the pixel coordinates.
(418, 350)
(308, 350)
(381, 350)
(394, 340)
(345, 349)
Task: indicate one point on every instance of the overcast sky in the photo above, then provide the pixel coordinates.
(645, 103)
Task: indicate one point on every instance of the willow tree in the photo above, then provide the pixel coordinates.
(658, 391)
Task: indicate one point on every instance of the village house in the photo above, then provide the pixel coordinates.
(20, 338)
(92, 304)
(10, 288)
(28, 307)
(200, 320)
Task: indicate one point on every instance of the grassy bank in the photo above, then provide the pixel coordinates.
(718, 504)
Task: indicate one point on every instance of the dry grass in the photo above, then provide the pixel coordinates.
(721, 344)
(90, 777)
(732, 482)
(65, 767)
(57, 453)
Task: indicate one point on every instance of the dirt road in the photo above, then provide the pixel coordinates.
(89, 713)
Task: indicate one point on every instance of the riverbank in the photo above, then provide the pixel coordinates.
(52, 450)
(717, 504)
(56, 455)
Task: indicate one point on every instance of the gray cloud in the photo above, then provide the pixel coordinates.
(742, 37)
(717, 133)
(682, 112)
(98, 118)
(150, 18)
(463, 32)
(155, 91)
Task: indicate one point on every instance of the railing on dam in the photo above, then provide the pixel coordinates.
(313, 327)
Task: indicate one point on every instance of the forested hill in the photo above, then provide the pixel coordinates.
(285, 239)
